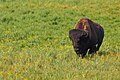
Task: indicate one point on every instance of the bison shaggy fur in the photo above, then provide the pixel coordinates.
(86, 35)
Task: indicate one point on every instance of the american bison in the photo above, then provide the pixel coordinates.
(86, 35)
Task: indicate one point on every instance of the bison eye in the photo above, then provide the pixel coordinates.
(78, 41)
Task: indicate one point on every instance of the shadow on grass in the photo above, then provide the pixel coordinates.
(103, 53)
(99, 53)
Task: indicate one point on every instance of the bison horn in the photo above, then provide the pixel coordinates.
(85, 34)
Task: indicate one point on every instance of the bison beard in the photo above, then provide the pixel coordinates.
(85, 36)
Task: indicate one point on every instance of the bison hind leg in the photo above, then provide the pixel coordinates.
(98, 46)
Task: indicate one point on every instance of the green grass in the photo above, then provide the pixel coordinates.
(34, 42)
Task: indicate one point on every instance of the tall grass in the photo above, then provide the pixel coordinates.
(34, 41)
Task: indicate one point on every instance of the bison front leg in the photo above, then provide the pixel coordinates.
(83, 55)
(92, 50)
(78, 54)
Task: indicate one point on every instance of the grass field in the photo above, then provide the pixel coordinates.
(34, 42)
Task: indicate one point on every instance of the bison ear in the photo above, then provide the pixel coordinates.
(85, 34)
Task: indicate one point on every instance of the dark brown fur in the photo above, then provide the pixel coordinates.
(86, 35)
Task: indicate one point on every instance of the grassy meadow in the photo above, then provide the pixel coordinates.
(34, 42)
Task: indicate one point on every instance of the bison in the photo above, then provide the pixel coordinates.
(86, 35)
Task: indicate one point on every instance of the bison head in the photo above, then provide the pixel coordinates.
(79, 40)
